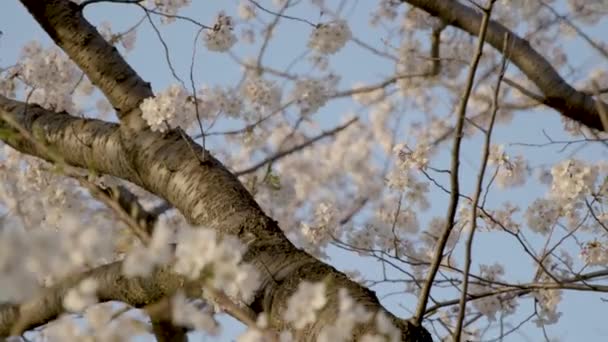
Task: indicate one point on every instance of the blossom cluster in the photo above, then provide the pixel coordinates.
(142, 261)
(595, 253)
(199, 252)
(548, 299)
(176, 107)
(246, 10)
(320, 232)
(48, 254)
(220, 38)
(303, 305)
(51, 75)
(42, 229)
(350, 314)
(411, 159)
(310, 95)
(542, 215)
(193, 314)
(367, 97)
(126, 39)
(99, 325)
(262, 333)
(309, 298)
(330, 37)
(82, 296)
(572, 179)
(511, 172)
(171, 108)
(262, 94)
(202, 250)
(214, 100)
(168, 7)
(491, 305)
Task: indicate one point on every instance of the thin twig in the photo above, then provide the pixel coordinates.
(294, 149)
(281, 14)
(196, 108)
(165, 47)
(580, 32)
(455, 190)
(477, 195)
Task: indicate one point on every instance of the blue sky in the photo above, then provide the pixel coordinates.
(584, 313)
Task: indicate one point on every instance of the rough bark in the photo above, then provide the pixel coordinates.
(64, 22)
(558, 94)
(206, 193)
(14, 319)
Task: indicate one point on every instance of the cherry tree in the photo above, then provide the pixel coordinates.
(128, 211)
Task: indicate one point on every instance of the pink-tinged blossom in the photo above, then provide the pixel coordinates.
(431, 235)
(387, 11)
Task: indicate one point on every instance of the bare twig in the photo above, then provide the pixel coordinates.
(580, 32)
(477, 195)
(455, 191)
(295, 148)
(257, 4)
(165, 47)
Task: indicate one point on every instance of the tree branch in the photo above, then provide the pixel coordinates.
(125, 205)
(113, 285)
(161, 315)
(64, 22)
(557, 93)
(296, 148)
(207, 194)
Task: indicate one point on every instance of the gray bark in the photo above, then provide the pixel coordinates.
(206, 193)
(557, 93)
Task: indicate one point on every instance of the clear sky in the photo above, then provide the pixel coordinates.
(584, 314)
